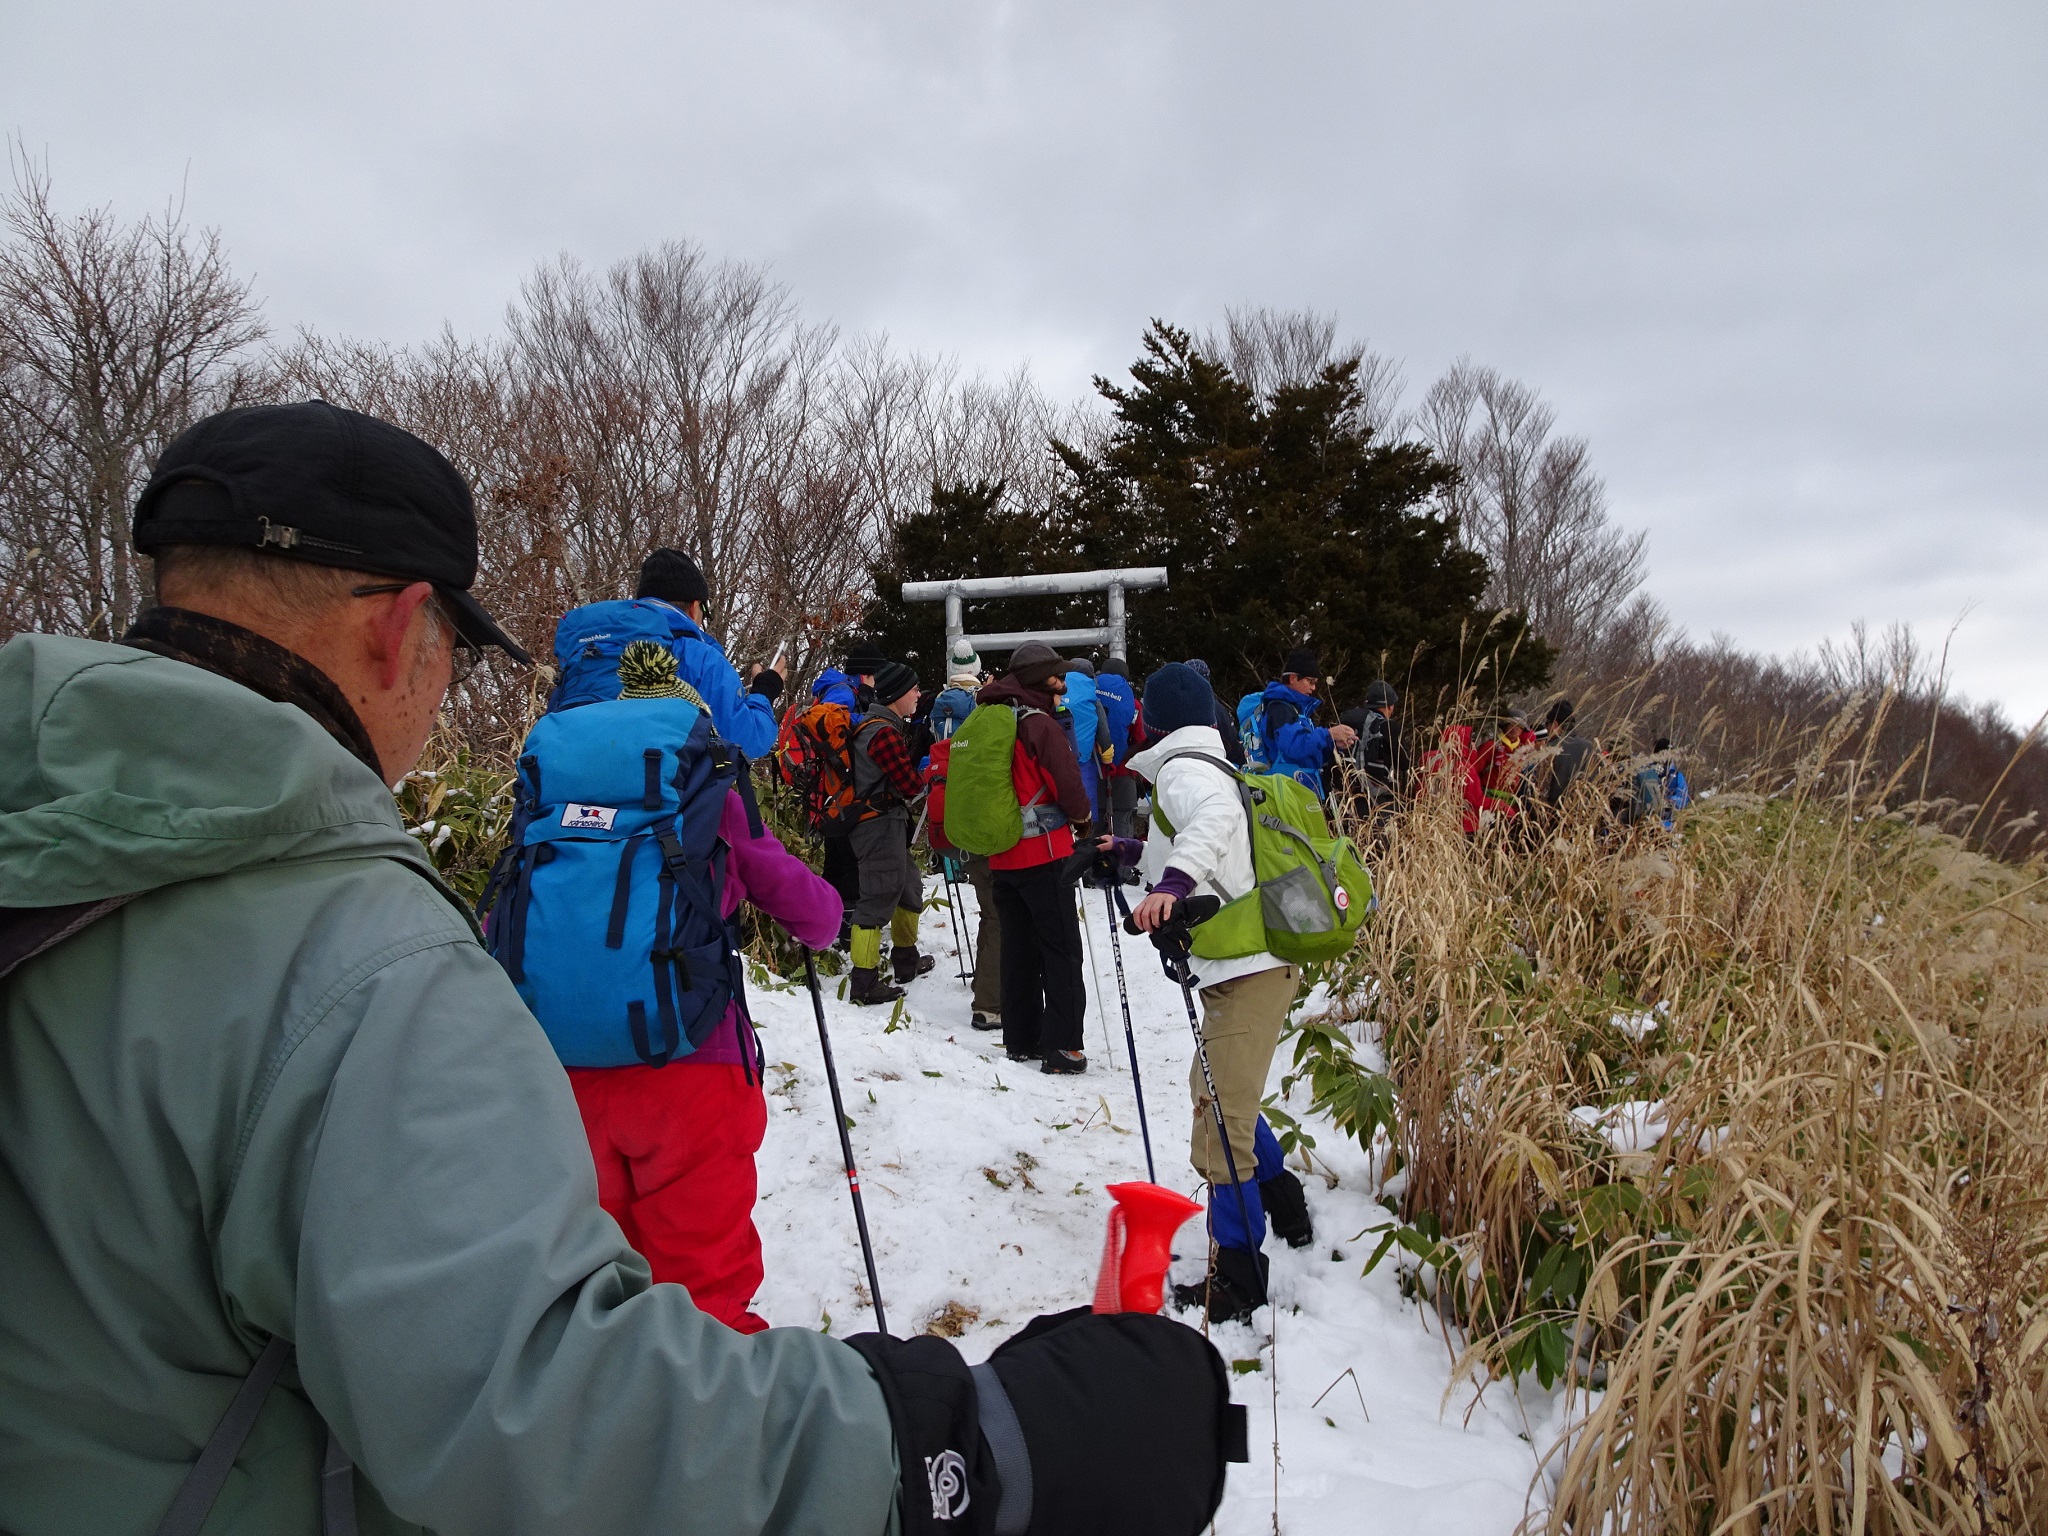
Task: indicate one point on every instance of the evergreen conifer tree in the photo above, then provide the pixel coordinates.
(1283, 521)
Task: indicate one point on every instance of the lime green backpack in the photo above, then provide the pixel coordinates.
(1312, 891)
(982, 813)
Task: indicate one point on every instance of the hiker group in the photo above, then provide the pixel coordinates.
(332, 1194)
(320, 1217)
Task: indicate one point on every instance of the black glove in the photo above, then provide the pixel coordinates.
(1082, 1423)
(768, 683)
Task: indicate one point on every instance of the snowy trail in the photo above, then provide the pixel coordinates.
(984, 1188)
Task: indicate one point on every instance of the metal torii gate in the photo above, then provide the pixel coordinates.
(1064, 584)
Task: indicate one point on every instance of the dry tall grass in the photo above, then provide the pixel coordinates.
(1808, 1293)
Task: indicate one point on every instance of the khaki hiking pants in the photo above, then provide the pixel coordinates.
(988, 938)
(1241, 1023)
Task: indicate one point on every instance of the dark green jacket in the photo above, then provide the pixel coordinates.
(283, 1091)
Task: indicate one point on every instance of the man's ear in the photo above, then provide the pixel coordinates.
(391, 619)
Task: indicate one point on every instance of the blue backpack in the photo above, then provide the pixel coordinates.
(589, 639)
(605, 911)
(1080, 700)
(1251, 730)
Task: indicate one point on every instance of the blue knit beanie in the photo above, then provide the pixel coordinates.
(1177, 695)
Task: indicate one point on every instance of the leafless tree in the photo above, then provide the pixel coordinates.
(1269, 348)
(113, 338)
(1530, 502)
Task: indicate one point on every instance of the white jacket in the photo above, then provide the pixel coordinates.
(1211, 840)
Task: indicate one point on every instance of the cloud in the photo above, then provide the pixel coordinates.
(1780, 264)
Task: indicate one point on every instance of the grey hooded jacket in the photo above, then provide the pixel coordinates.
(283, 1091)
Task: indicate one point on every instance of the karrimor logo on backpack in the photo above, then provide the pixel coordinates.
(589, 818)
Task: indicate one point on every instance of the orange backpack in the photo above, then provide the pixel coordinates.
(815, 749)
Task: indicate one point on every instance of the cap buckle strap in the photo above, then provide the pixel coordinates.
(276, 533)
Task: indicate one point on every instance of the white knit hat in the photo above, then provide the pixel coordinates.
(962, 661)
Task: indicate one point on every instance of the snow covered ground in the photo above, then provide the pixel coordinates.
(984, 1188)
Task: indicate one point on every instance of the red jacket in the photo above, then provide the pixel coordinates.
(1043, 768)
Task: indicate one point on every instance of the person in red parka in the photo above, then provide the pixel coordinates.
(675, 1145)
(1044, 997)
(1494, 789)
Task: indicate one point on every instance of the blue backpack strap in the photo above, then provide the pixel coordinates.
(511, 946)
(622, 893)
(743, 781)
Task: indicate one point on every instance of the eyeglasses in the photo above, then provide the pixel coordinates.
(463, 657)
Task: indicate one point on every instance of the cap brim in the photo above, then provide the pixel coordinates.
(479, 628)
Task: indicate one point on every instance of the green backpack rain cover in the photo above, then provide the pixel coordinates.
(982, 814)
(1312, 892)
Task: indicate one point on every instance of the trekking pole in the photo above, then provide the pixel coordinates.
(953, 915)
(1095, 975)
(860, 1215)
(966, 933)
(1174, 952)
(1112, 898)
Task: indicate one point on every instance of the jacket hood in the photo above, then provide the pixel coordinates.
(1007, 690)
(1280, 693)
(125, 772)
(1189, 738)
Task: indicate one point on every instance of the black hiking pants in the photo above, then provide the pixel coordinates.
(1045, 1001)
(842, 869)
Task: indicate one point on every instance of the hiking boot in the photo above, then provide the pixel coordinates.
(907, 963)
(986, 1020)
(1234, 1290)
(1064, 1063)
(868, 987)
(1287, 1208)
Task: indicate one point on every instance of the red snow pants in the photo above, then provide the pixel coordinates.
(675, 1149)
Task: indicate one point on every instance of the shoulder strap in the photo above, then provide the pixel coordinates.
(1244, 795)
(26, 932)
(202, 1485)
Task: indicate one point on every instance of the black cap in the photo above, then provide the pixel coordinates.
(673, 577)
(329, 486)
(1301, 662)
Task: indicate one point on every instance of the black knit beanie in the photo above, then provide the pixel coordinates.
(893, 680)
(673, 577)
(1301, 662)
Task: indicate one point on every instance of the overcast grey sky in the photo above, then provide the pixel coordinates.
(1782, 264)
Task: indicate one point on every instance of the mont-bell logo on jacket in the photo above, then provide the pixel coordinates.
(589, 818)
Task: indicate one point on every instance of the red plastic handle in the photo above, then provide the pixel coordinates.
(1139, 1246)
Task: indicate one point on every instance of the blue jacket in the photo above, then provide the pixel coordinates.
(834, 687)
(744, 718)
(1297, 744)
(1121, 705)
(950, 711)
(589, 638)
